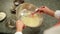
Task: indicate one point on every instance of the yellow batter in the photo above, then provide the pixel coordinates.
(32, 21)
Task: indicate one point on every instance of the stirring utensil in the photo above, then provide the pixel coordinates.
(37, 11)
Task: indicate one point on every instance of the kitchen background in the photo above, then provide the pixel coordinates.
(5, 6)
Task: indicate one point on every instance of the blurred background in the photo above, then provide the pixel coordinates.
(6, 6)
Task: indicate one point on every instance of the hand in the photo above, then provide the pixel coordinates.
(44, 9)
(19, 25)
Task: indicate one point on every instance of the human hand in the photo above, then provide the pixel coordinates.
(19, 25)
(44, 9)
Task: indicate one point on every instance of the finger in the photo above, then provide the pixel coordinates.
(24, 27)
(19, 22)
(40, 10)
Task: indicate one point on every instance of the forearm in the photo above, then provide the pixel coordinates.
(18, 31)
(50, 12)
(55, 14)
(19, 27)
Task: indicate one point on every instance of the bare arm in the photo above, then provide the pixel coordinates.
(47, 10)
(19, 27)
(50, 12)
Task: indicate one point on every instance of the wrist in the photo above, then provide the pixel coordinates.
(19, 29)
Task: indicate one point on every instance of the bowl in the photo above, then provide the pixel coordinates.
(23, 12)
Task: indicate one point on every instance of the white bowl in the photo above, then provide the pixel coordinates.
(2, 16)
